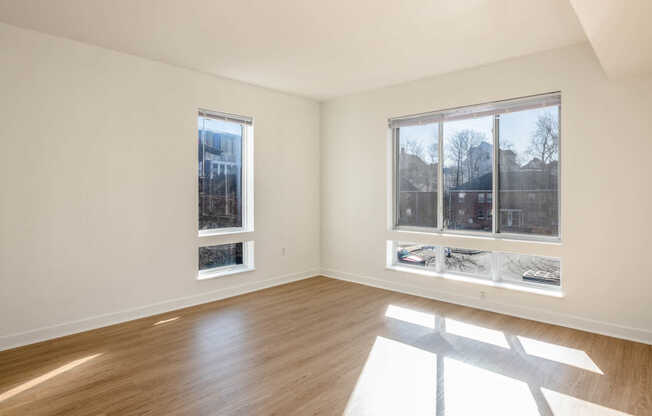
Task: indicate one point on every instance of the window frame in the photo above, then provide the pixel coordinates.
(494, 277)
(246, 266)
(247, 174)
(492, 109)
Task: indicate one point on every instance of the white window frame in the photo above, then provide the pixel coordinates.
(247, 202)
(494, 278)
(493, 109)
(246, 266)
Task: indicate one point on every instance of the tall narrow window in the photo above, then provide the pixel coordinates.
(468, 173)
(225, 179)
(222, 152)
(417, 163)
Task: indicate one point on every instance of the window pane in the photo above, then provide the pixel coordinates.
(524, 268)
(418, 255)
(468, 178)
(417, 174)
(220, 174)
(475, 262)
(220, 256)
(529, 172)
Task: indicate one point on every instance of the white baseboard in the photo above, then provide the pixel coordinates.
(570, 321)
(535, 314)
(68, 328)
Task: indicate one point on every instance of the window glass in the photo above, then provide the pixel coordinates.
(418, 255)
(528, 177)
(468, 167)
(220, 174)
(418, 161)
(222, 255)
(523, 183)
(523, 268)
(474, 262)
(520, 269)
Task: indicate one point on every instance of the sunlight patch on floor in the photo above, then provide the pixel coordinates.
(562, 404)
(397, 379)
(470, 390)
(558, 353)
(408, 315)
(165, 321)
(45, 377)
(477, 333)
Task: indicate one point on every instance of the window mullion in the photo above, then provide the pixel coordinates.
(243, 176)
(439, 260)
(494, 176)
(440, 178)
(495, 266)
(397, 183)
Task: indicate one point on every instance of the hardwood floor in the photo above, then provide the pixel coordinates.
(322, 346)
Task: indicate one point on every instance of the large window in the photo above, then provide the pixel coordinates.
(222, 162)
(485, 169)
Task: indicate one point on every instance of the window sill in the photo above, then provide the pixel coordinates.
(221, 272)
(225, 231)
(551, 291)
(477, 235)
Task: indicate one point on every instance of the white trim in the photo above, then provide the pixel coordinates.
(247, 179)
(232, 118)
(392, 186)
(478, 234)
(224, 271)
(477, 110)
(554, 292)
(222, 231)
(536, 314)
(73, 327)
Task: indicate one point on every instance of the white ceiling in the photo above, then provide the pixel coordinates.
(317, 49)
(620, 32)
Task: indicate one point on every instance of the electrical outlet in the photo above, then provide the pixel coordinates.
(283, 251)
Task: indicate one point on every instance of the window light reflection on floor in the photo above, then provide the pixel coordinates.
(563, 404)
(408, 315)
(559, 353)
(45, 377)
(477, 333)
(397, 379)
(470, 390)
(165, 321)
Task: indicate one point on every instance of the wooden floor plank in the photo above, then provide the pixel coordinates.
(323, 346)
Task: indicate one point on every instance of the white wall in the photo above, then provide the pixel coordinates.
(606, 196)
(98, 218)
(98, 202)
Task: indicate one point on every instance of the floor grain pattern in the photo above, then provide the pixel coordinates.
(301, 349)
